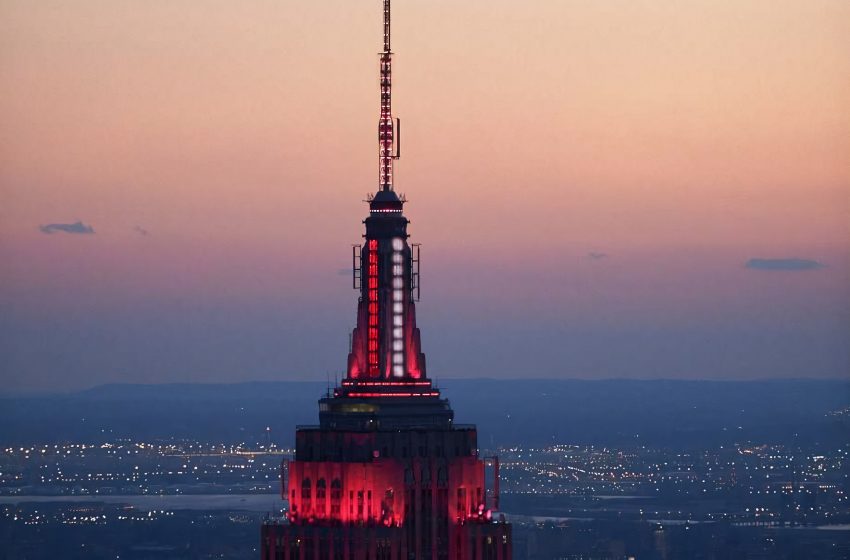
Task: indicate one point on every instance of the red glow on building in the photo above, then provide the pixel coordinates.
(373, 308)
(348, 383)
(356, 395)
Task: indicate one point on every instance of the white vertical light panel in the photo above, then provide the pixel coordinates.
(398, 307)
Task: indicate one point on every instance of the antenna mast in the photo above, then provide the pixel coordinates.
(388, 131)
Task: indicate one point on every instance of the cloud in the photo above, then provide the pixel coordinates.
(140, 230)
(76, 227)
(783, 264)
(594, 256)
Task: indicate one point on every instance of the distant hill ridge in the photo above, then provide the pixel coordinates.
(530, 411)
(262, 387)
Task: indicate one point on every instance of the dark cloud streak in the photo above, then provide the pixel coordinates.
(783, 264)
(75, 228)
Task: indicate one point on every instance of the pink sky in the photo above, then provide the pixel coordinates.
(679, 138)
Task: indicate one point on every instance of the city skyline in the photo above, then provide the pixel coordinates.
(648, 191)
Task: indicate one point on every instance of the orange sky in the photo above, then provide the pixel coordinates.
(677, 137)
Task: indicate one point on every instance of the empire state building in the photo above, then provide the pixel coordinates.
(387, 474)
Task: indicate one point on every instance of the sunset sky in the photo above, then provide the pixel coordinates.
(589, 180)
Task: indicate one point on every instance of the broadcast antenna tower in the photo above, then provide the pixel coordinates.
(389, 132)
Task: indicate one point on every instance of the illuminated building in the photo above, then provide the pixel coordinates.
(387, 475)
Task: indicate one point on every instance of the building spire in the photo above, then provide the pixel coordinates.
(388, 145)
(387, 26)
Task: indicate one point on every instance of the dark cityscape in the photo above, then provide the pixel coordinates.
(193, 500)
(704, 488)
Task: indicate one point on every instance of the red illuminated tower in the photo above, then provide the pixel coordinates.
(386, 474)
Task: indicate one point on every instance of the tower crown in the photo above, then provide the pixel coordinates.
(386, 202)
(385, 344)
